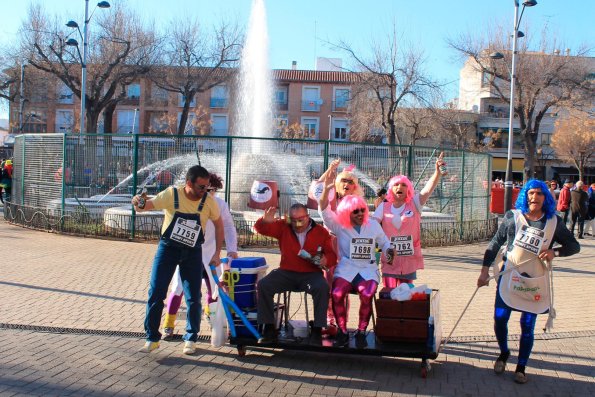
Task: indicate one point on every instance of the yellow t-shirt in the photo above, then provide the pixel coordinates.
(165, 201)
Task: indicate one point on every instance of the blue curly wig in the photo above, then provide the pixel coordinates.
(549, 204)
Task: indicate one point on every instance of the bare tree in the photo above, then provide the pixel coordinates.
(391, 75)
(544, 78)
(574, 139)
(9, 77)
(194, 61)
(121, 50)
(455, 128)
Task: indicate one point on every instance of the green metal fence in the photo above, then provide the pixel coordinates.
(83, 184)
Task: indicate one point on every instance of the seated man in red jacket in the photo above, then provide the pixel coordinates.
(299, 238)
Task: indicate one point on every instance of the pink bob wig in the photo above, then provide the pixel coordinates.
(347, 206)
(399, 179)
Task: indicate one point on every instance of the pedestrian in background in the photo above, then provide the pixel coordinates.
(579, 202)
(563, 205)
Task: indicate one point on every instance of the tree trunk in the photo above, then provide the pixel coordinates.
(91, 121)
(108, 116)
(184, 115)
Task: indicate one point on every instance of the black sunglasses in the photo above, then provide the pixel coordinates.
(357, 211)
(202, 187)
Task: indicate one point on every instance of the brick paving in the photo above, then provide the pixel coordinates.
(62, 281)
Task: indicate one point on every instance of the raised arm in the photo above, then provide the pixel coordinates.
(428, 189)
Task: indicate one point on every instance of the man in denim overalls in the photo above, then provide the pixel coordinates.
(187, 209)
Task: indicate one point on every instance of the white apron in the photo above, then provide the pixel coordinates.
(527, 286)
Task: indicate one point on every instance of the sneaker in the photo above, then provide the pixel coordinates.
(189, 347)
(342, 339)
(168, 333)
(500, 364)
(360, 339)
(520, 378)
(269, 335)
(149, 347)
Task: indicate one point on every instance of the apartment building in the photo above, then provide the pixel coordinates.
(316, 100)
(478, 95)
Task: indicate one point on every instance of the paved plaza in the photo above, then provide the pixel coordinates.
(72, 310)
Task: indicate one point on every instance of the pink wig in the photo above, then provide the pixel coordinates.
(399, 179)
(347, 205)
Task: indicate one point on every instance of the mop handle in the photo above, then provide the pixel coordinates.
(473, 296)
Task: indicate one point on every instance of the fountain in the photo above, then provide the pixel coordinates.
(252, 118)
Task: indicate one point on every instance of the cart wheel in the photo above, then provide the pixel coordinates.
(241, 350)
(425, 368)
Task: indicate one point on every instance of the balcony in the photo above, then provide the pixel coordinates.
(281, 105)
(218, 102)
(312, 105)
(131, 100)
(157, 102)
(341, 106)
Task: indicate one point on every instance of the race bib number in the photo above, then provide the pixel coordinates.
(185, 232)
(530, 239)
(403, 245)
(361, 249)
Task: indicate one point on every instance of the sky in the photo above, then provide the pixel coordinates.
(299, 30)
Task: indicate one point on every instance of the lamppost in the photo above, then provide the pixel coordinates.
(22, 98)
(85, 38)
(497, 55)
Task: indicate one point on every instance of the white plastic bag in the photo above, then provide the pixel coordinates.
(218, 325)
(401, 293)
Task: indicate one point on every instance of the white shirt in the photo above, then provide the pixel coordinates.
(229, 230)
(347, 267)
(379, 213)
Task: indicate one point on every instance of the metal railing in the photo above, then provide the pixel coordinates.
(82, 184)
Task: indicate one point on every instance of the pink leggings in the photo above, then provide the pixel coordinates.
(175, 300)
(366, 290)
(393, 282)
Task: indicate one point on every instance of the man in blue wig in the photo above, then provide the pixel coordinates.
(525, 284)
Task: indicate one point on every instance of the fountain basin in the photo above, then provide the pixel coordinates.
(120, 218)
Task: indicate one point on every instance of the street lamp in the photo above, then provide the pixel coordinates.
(496, 55)
(85, 39)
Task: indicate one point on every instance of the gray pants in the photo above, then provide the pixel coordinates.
(280, 280)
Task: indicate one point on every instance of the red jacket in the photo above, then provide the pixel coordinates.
(564, 199)
(290, 246)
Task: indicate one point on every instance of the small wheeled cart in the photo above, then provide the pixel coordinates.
(402, 329)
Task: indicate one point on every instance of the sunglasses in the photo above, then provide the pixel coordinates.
(348, 181)
(301, 218)
(201, 187)
(359, 210)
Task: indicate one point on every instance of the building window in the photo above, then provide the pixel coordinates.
(280, 97)
(158, 122)
(133, 91)
(342, 96)
(310, 127)
(127, 122)
(340, 130)
(281, 122)
(182, 99)
(159, 96)
(311, 99)
(219, 96)
(546, 139)
(64, 121)
(65, 94)
(219, 125)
